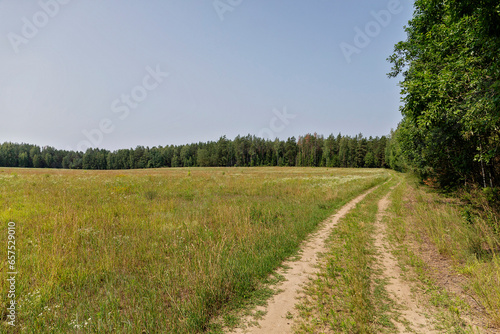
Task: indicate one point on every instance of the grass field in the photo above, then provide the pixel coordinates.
(156, 251)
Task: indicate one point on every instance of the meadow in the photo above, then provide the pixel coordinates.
(159, 250)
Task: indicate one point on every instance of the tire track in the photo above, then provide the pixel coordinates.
(281, 309)
(398, 289)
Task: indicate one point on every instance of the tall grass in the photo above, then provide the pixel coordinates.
(157, 250)
(468, 239)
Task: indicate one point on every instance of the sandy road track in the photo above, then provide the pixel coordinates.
(277, 319)
(399, 290)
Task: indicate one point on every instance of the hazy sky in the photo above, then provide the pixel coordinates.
(122, 73)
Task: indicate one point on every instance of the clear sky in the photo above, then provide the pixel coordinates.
(121, 73)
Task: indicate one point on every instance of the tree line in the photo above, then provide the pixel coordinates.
(450, 67)
(311, 150)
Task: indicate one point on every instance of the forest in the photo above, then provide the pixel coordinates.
(311, 150)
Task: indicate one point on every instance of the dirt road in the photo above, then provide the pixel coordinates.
(399, 290)
(281, 308)
(412, 311)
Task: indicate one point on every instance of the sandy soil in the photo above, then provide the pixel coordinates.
(400, 291)
(281, 308)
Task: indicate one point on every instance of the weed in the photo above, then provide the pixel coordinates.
(150, 195)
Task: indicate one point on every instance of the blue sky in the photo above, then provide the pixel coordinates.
(77, 73)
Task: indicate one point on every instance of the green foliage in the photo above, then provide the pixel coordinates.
(451, 80)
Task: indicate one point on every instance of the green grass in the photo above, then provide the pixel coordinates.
(157, 251)
(420, 216)
(346, 297)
